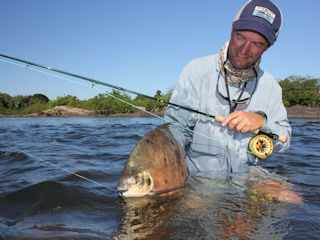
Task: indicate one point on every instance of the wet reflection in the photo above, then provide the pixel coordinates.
(206, 209)
(146, 217)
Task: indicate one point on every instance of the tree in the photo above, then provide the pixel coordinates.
(298, 90)
(68, 100)
(39, 98)
(4, 100)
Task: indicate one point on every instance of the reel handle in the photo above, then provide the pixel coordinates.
(282, 139)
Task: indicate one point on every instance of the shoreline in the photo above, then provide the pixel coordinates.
(298, 112)
(63, 111)
(303, 112)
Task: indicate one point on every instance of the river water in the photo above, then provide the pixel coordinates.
(41, 199)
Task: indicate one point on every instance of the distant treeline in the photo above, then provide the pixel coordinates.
(303, 91)
(295, 91)
(103, 103)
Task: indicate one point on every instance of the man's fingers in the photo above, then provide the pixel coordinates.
(230, 118)
(243, 121)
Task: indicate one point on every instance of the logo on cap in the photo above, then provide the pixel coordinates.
(264, 13)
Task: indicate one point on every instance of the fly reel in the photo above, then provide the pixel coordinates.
(261, 146)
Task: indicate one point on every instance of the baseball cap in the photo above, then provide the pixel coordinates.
(261, 16)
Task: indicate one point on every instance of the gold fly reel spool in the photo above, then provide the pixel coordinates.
(261, 146)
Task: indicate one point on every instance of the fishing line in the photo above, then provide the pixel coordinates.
(61, 168)
(216, 117)
(119, 99)
(105, 84)
(83, 84)
(255, 151)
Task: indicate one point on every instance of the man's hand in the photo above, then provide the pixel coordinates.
(243, 121)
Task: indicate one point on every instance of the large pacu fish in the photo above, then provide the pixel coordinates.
(156, 165)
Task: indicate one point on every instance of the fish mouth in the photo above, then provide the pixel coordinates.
(125, 191)
(137, 185)
(121, 189)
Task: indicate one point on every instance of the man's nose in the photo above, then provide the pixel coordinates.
(245, 48)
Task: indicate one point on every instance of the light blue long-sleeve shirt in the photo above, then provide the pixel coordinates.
(222, 149)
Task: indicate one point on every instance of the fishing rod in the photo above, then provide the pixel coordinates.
(108, 85)
(218, 118)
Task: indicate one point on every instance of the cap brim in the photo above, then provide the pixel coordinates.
(257, 27)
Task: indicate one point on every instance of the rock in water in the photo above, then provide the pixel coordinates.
(156, 165)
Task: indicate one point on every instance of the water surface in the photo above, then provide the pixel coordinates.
(41, 201)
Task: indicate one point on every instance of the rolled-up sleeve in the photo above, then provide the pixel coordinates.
(184, 94)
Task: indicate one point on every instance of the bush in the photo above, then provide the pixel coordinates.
(300, 91)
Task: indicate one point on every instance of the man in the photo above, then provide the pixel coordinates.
(231, 84)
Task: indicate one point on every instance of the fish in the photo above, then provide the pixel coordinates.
(156, 165)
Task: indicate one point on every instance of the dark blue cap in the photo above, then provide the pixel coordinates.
(261, 16)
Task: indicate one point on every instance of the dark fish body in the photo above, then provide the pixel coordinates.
(157, 164)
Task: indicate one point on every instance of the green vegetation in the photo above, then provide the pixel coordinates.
(303, 91)
(103, 103)
(23, 104)
(295, 90)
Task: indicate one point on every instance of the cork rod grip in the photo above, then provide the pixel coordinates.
(282, 139)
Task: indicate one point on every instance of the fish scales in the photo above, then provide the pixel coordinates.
(157, 164)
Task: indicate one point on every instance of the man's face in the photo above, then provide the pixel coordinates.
(245, 48)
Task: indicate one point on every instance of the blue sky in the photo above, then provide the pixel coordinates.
(140, 45)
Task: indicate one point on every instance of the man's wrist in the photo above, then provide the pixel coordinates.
(262, 114)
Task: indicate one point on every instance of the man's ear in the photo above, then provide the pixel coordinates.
(269, 45)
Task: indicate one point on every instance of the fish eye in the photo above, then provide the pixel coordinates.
(137, 179)
(149, 181)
